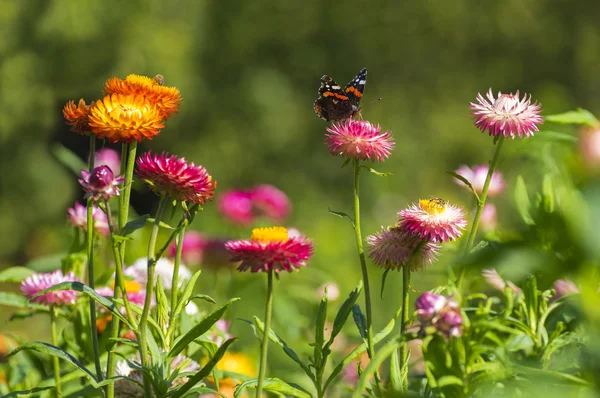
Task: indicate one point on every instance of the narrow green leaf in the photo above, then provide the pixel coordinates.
(27, 393)
(182, 342)
(449, 380)
(162, 306)
(204, 297)
(377, 173)
(548, 194)
(395, 372)
(579, 116)
(344, 312)
(187, 294)
(274, 385)
(383, 278)
(522, 201)
(320, 329)
(136, 309)
(49, 349)
(202, 373)
(360, 320)
(15, 274)
(342, 215)
(465, 181)
(556, 136)
(160, 224)
(68, 159)
(110, 343)
(134, 225)
(18, 301)
(204, 392)
(382, 353)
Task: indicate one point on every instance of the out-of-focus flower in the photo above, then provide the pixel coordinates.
(350, 374)
(234, 362)
(433, 219)
(271, 202)
(34, 284)
(237, 207)
(108, 157)
(165, 99)
(101, 183)
(128, 388)
(492, 277)
(7, 344)
(125, 118)
(185, 365)
(219, 333)
(270, 249)
(359, 139)
(136, 293)
(163, 270)
(78, 217)
(192, 248)
(589, 145)
(488, 218)
(174, 177)
(564, 287)
(440, 313)
(477, 175)
(77, 116)
(507, 115)
(333, 291)
(394, 247)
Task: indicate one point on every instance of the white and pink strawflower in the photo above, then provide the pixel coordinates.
(34, 284)
(394, 248)
(270, 249)
(359, 139)
(175, 178)
(507, 115)
(78, 218)
(477, 175)
(433, 219)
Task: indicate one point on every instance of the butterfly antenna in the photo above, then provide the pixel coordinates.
(377, 100)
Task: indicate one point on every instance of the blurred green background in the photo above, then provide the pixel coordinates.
(248, 73)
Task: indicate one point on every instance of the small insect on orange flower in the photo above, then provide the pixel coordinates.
(166, 99)
(76, 116)
(125, 118)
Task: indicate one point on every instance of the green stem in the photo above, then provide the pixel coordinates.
(265, 341)
(55, 361)
(143, 325)
(363, 266)
(404, 323)
(123, 217)
(175, 279)
(480, 205)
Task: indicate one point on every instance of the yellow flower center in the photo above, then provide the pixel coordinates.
(270, 234)
(433, 206)
(130, 286)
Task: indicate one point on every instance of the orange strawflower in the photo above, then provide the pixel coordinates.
(166, 99)
(124, 118)
(76, 116)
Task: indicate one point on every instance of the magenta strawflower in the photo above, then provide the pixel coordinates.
(269, 201)
(440, 313)
(108, 157)
(78, 218)
(101, 183)
(174, 177)
(192, 248)
(477, 175)
(237, 207)
(393, 248)
(507, 115)
(433, 219)
(359, 139)
(270, 249)
(35, 283)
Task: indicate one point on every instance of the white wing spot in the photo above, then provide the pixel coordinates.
(362, 82)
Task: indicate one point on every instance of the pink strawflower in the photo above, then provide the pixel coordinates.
(192, 249)
(507, 115)
(237, 207)
(440, 313)
(101, 183)
(270, 249)
(359, 139)
(564, 287)
(589, 145)
(108, 157)
(137, 297)
(492, 277)
(174, 177)
(271, 202)
(488, 218)
(433, 219)
(477, 175)
(394, 248)
(36, 283)
(78, 218)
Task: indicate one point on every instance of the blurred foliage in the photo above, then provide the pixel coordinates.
(249, 71)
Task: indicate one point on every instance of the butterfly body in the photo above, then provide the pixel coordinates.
(335, 103)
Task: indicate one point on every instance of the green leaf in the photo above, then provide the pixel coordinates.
(49, 349)
(320, 330)
(204, 297)
(360, 321)
(187, 294)
(134, 225)
(383, 278)
(162, 306)
(548, 194)
(110, 343)
(579, 116)
(344, 312)
(27, 393)
(449, 380)
(15, 274)
(136, 309)
(46, 263)
(465, 181)
(342, 215)
(377, 173)
(382, 353)
(160, 224)
(395, 373)
(522, 201)
(182, 342)
(556, 136)
(18, 301)
(202, 373)
(274, 385)
(204, 391)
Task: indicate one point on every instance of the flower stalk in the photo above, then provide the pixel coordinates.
(55, 361)
(265, 341)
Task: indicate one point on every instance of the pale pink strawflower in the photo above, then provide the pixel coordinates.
(507, 115)
(270, 249)
(589, 145)
(108, 157)
(236, 206)
(271, 202)
(175, 178)
(492, 277)
(433, 219)
(477, 175)
(359, 139)
(36, 283)
(192, 249)
(333, 291)
(488, 218)
(78, 218)
(564, 287)
(101, 183)
(394, 248)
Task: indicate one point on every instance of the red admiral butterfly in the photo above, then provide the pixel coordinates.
(337, 104)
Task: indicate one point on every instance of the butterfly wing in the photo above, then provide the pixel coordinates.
(333, 102)
(354, 90)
